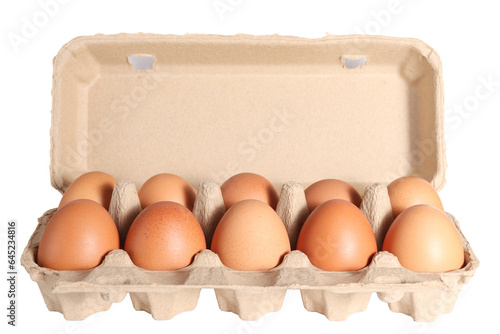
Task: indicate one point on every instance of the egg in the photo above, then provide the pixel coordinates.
(424, 239)
(251, 236)
(96, 186)
(164, 236)
(411, 190)
(248, 186)
(337, 237)
(327, 189)
(167, 187)
(77, 237)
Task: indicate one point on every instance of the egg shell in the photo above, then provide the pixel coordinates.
(77, 237)
(327, 189)
(167, 187)
(411, 190)
(96, 186)
(251, 236)
(164, 236)
(248, 186)
(424, 239)
(337, 237)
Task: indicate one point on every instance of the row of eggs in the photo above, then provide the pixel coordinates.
(166, 235)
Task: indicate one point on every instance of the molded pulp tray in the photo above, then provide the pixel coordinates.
(363, 109)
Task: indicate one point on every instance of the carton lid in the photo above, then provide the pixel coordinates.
(363, 109)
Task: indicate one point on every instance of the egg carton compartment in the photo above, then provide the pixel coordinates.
(423, 296)
(249, 294)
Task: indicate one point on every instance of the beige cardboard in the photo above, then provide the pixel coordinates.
(204, 97)
(250, 294)
(283, 107)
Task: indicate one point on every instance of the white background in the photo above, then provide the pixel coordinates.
(465, 36)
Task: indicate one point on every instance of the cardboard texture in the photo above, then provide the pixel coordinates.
(362, 109)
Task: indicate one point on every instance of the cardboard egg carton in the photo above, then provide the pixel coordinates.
(250, 294)
(362, 109)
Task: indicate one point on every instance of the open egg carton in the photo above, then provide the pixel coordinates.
(362, 109)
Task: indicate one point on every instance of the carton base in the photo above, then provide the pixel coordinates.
(335, 306)
(165, 306)
(252, 304)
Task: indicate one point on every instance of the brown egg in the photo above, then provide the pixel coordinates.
(424, 239)
(167, 187)
(337, 237)
(248, 186)
(325, 190)
(411, 190)
(164, 236)
(77, 237)
(96, 186)
(251, 236)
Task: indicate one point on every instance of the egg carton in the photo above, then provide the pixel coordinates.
(249, 294)
(363, 109)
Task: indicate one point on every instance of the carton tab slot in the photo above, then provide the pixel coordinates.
(354, 62)
(142, 62)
